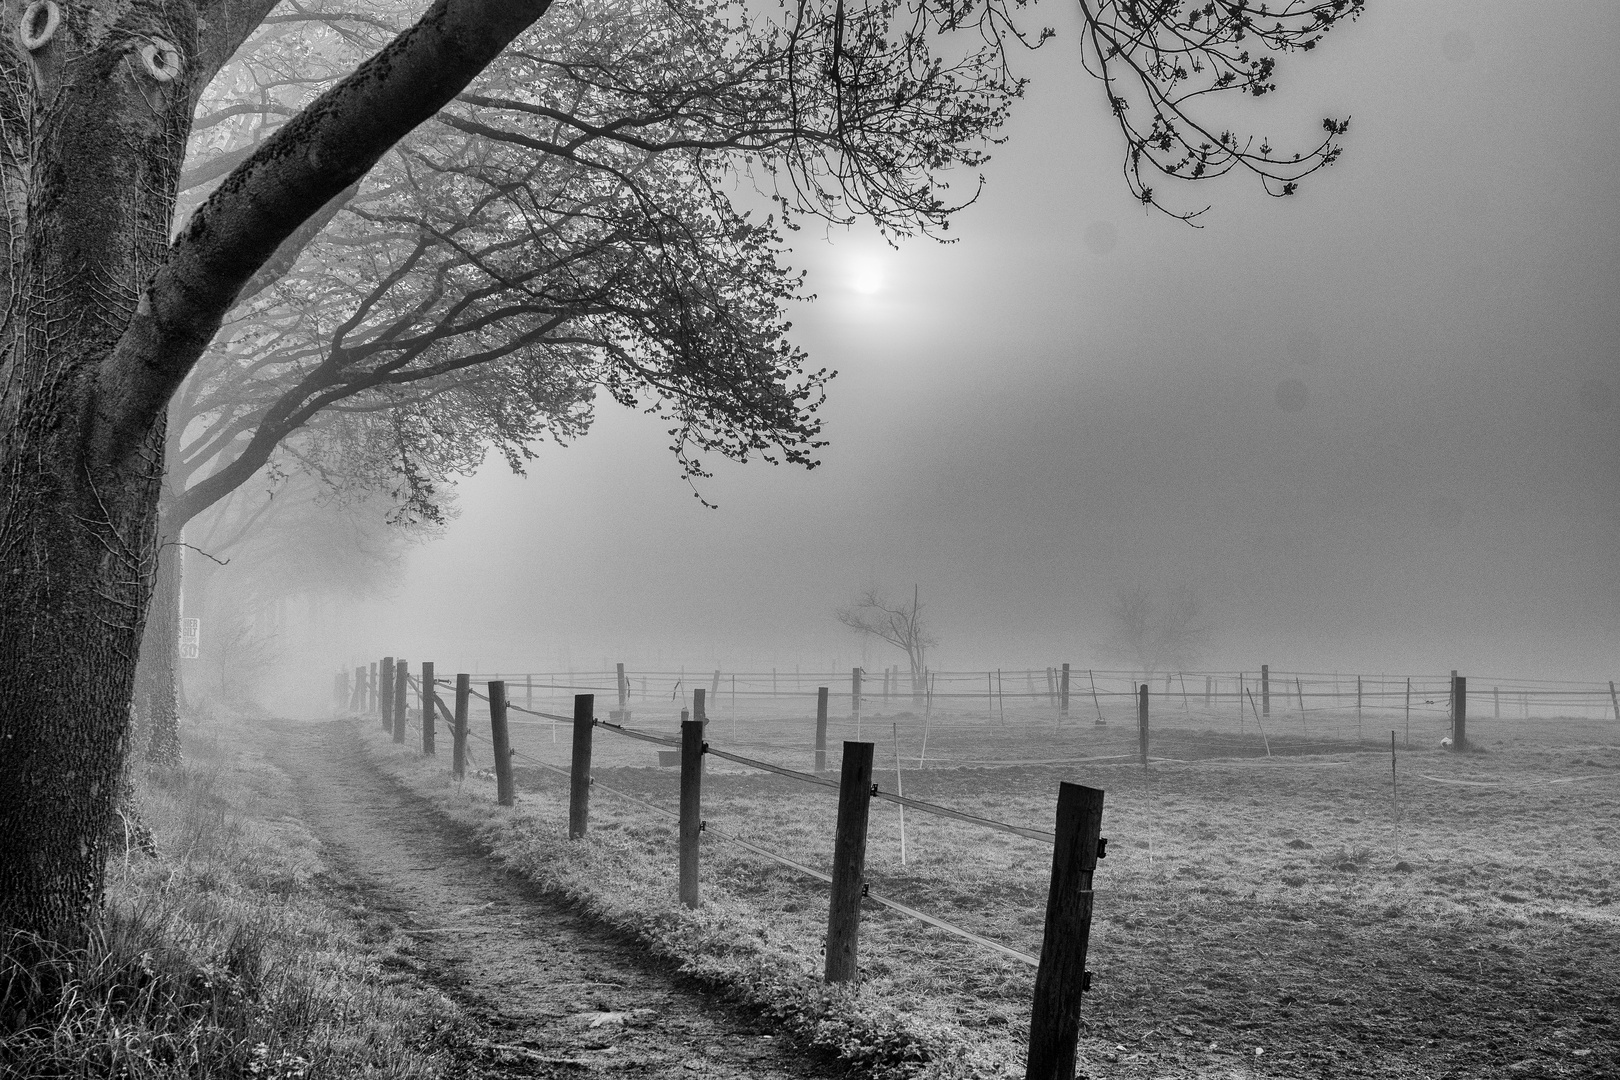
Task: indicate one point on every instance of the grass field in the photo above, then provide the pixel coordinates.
(1257, 915)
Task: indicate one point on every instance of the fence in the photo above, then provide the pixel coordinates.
(1063, 690)
(958, 715)
(1061, 978)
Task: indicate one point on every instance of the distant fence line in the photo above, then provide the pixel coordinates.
(1059, 685)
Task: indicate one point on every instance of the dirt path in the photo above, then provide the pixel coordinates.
(553, 992)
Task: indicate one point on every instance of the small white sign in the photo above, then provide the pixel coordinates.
(190, 638)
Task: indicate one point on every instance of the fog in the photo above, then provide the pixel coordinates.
(1078, 396)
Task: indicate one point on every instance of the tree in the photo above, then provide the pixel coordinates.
(504, 346)
(843, 110)
(901, 626)
(1155, 634)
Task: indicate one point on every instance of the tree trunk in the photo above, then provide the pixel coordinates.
(104, 317)
(76, 554)
(157, 672)
(99, 157)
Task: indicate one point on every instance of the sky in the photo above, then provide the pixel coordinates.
(1079, 396)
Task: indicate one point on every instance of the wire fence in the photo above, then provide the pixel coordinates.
(774, 753)
(763, 766)
(1306, 712)
(1310, 691)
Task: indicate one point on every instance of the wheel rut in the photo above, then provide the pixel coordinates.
(552, 991)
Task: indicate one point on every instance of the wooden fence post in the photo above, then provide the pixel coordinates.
(1496, 697)
(458, 735)
(821, 729)
(855, 699)
(1265, 689)
(430, 704)
(402, 686)
(579, 772)
(849, 863)
(1142, 721)
(1063, 693)
(371, 688)
(699, 705)
(1459, 712)
(691, 809)
(1209, 689)
(714, 691)
(1358, 699)
(1409, 712)
(623, 714)
(1614, 699)
(357, 703)
(1061, 980)
(385, 693)
(505, 790)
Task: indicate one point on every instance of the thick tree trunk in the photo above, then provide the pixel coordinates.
(77, 519)
(76, 555)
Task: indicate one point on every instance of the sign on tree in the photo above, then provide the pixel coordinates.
(190, 638)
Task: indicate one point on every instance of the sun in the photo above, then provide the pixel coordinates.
(866, 277)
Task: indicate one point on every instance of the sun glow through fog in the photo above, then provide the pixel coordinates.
(866, 277)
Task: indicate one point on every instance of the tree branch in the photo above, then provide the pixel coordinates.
(309, 160)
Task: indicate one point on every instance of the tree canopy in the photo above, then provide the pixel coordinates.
(579, 218)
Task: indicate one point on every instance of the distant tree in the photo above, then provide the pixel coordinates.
(1157, 634)
(903, 627)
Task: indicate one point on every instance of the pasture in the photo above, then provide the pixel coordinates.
(1307, 911)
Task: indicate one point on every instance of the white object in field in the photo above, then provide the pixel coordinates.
(1446, 742)
(190, 638)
